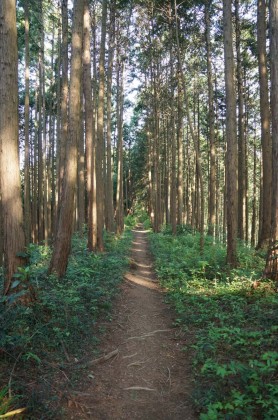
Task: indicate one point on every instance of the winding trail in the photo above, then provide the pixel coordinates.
(148, 377)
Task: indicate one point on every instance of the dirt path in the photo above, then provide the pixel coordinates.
(148, 378)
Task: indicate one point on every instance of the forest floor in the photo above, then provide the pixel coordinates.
(145, 375)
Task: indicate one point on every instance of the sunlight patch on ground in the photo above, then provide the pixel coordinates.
(141, 281)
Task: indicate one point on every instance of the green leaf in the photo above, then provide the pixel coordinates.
(15, 284)
(17, 275)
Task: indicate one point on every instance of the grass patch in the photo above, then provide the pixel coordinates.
(233, 327)
(37, 341)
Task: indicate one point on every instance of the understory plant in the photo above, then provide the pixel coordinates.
(231, 320)
(55, 329)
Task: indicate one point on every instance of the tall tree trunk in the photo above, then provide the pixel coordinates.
(254, 204)
(64, 105)
(265, 228)
(212, 174)
(272, 260)
(173, 137)
(120, 105)
(231, 138)
(109, 180)
(62, 243)
(180, 220)
(100, 134)
(241, 136)
(41, 129)
(89, 130)
(35, 176)
(14, 239)
(80, 173)
(194, 137)
(27, 209)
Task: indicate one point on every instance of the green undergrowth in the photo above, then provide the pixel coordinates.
(60, 323)
(138, 216)
(231, 325)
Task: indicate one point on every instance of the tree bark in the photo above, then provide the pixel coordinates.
(272, 260)
(62, 243)
(241, 134)
(14, 239)
(194, 138)
(120, 105)
(100, 134)
(231, 138)
(64, 105)
(180, 219)
(265, 228)
(109, 180)
(27, 208)
(254, 203)
(211, 120)
(89, 130)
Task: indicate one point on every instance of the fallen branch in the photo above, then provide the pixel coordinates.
(129, 356)
(102, 358)
(139, 388)
(136, 364)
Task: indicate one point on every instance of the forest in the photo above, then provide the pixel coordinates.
(139, 159)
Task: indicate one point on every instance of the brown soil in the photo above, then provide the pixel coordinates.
(149, 376)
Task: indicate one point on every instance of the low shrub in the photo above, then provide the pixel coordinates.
(233, 325)
(62, 320)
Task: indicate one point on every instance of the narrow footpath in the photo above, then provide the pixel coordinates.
(146, 374)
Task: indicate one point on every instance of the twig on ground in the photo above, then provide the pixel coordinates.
(65, 351)
(169, 377)
(139, 388)
(129, 356)
(102, 358)
(11, 375)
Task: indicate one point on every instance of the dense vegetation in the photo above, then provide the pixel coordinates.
(45, 337)
(230, 318)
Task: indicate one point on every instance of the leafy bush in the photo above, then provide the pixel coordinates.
(233, 325)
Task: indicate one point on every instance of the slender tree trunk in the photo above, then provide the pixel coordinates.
(212, 174)
(100, 134)
(173, 196)
(35, 175)
(232, 160)
(40, 131)
(64, 103)
(89, 129)
(265, 228)
(272, 260)
(27, 209)
(109, 179)
(80, 172)
(120, 105)
(254, 204)
(12, 211)
(46, 182)
(180, 220)
(241, 136)
(62, 243)
(194, 138)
